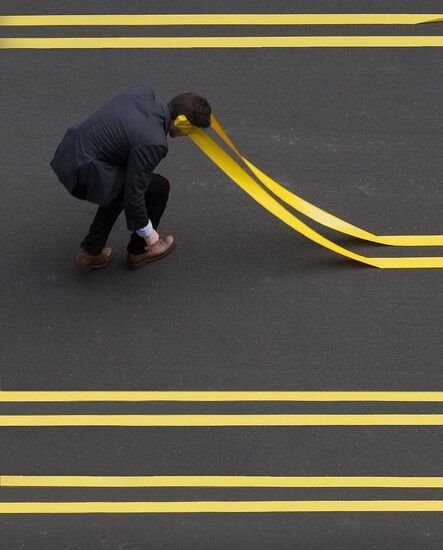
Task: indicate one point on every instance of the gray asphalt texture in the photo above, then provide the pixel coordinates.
(243, 303)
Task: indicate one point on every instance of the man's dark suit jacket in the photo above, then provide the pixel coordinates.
(114, 151)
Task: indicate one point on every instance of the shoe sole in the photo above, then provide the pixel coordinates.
(87, 268)
(140, 264)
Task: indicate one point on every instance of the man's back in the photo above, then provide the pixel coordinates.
(96, 148)
(131, 119)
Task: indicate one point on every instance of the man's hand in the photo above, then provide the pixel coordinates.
(152, 239)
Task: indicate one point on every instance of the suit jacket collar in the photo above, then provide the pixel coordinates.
(167, 117)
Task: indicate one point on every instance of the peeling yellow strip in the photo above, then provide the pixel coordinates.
(317, 214)
(196, 420)
(223, 481)
(221, 507)
(250, 186)
(221, 19)
(162, 42)
(211, 396)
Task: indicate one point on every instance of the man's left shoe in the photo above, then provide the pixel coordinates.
(86, 262)
(155, 252)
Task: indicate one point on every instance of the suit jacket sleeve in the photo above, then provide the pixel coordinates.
(141, 162)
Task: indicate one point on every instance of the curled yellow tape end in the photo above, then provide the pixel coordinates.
(437, 20)
(183, 124)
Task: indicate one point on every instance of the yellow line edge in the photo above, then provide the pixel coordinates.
(219, 396)
(222, 420)
(163, 42)
(221, 507)
(224, 481)
(219, 19)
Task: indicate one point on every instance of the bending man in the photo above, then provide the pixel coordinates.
(109, 159)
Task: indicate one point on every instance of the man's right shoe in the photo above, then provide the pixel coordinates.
(155, 252)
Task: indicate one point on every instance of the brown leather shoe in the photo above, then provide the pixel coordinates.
(155, 252)
(85, 261)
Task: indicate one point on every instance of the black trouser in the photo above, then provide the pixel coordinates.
(156, 197)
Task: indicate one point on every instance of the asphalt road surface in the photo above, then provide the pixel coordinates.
(244, 303)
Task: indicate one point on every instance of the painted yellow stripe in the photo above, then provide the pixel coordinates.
(213, 396)
(221, 19)
(223, 481)
(221, 507)
(195, 420)
(172, 42)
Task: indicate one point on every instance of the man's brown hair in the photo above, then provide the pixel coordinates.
(195, 108)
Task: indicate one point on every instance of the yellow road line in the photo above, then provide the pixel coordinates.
(221, 19)
(195, 420)
(171, 42)
(212, 396)
(223, 481)
(221, 506)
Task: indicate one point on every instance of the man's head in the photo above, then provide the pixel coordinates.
(195, 108)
